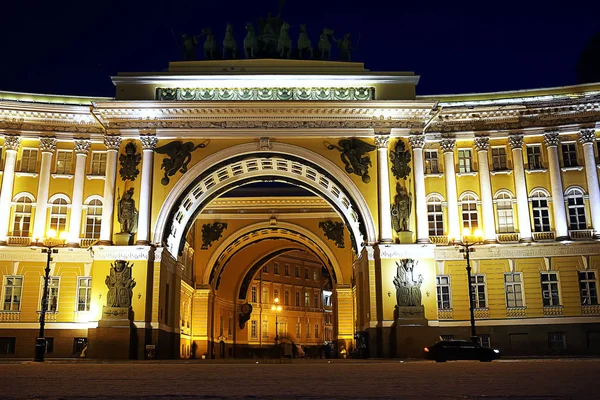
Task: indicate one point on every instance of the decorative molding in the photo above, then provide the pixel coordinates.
(381, 141)
(82, 146)
(264, 94)
(528, 250)
(112, 142)
(148, 142)
(551, 139)
(12, 142)
(515, 141)
(482, 143)
(447, 145)
(401, 251)
(417, 141)
(47, 144)
(124, 253)
(264, 144)
(587, 136)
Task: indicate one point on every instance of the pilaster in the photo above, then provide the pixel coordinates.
(112, 142)
(516, 145)
(11, 144)
(447, 146)
(551, 140)
(82, 148)
(487, 203)
(385, 218)
(148, 144)
(587, 137)
(47, 148)
(417, 143)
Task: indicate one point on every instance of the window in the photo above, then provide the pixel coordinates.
(283, 329)
(484, 340)
(316, 300)
(550, 296)
(297, 271)
(504, 209)
(7, 345)
(541, 215)
(29, 160)
(286, 269)
(22, 216)
(253, 294)
(469, 212)
(588, 288)
(432, 165)
(58, 214)
(478, 288)
(447, 337)
(13, 287)
(64, 162)
(557, 340)
(315, 275)
(266, 268)
(275, 294)
(307, 299)
(435, 216)
(513, 287)
(276, 268)
(221, 325)
(53, 286)
(327, 299)
(316, 331)
(308, 328)
(305, 273)
(79, 344)
(297, 299)
(253, 329)
(534, 157)
(569, 153)
(84, 293)
(98, 163)
(298, 328)
(464, 160)
(93, 219)
(265, 295)
(230, 326)
(286, 298)
(443, 292)
(498, 158)
(265, 330)
(576, 209)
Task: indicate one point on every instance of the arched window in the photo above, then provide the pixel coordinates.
(93, 219)
(504, 209)
(539, 209)
(22, 215)
(435, 215)
(576, 209)
(58, 214)
(469, 212)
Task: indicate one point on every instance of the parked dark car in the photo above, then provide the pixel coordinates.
(460, 350)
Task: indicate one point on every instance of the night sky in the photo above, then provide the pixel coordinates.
(73, 47)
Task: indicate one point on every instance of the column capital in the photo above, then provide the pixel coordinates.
(417, 141)
(551, 139)
(82, 146)
(447, 145)
(482, 143)
(515, 141)
(12, 142)
(48, 144)
(587, 136)
(148, 142)
(112, 142)
(381, 141)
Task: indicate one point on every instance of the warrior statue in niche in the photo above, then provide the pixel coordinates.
(120, 284)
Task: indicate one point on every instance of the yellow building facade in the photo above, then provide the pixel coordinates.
(235, 168)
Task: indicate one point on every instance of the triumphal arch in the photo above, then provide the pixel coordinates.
(226, 208)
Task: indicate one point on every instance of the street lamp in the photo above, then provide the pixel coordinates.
(48, 245)
(276, 307)
(469, 239)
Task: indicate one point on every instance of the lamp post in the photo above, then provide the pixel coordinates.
(49, 246)
(276, 307)
(469, 239)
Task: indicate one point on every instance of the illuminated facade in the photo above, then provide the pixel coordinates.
(520, 166)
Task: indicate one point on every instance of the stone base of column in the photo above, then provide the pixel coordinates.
(142, 243)
(104, 243)
(561, 238)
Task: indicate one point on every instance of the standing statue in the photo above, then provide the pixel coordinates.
(229, 43)
(268, 39)
(120, 285)
(408, 290)
(210, 44)
(401, 209)
(354, 156)
(304, 44)
(401, 284)
(250, 42)
(325, 44)
(127, 213)
(284, 43)
(189, 47)
(345, 46)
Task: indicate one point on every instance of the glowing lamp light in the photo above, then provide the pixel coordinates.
(478, 232)
(466, 232)
(51, 233)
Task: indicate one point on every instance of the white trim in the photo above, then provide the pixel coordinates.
(536, 171)
(576, 168)
(93, 197)
(436, 195)
(541, 189)
(29, 174)
(62, 176)
(575, 188)
(49, 325)
(93, 177)
(57, 196)
(501, 172)
(21, 194)
(517, 321)
(467, 193)
(503, 191)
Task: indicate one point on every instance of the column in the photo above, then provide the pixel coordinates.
(454, 231)
(587, 137)
(82, 147)
(485, 185)
(148, 145)
(385, 216)
(11, 144)
(108, 201)
(47, 148)
(558, 200)
(417, 142)
(516, 144)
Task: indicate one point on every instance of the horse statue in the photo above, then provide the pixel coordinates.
(304, 43)
(284, 43)
(229, 43)
(325, 44)
(210, 44)
(250, 42)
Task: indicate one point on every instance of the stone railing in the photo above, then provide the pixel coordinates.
(553, 311)
(516, 312)
(50, 316)
(19, 240)
(541, 236)
(481, 313)
(593, 309)
(583, 234)
(445, 314)
(10, 316)
(85, 243)
(508, 237)
(441, 240)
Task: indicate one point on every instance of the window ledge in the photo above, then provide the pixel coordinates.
(30, 174)
(501, 172)
(437, 175)
(62, 176)
(472, 173)
(536, 171)
(91, 177)
(575, 168)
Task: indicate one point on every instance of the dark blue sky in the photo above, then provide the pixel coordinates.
(72, 47)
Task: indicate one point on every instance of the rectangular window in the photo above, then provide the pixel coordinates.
(484, 340)
(253, 329)
(22, 217)
(266, 268)
(29, 160)
(506, 222)
(98, 163)
(443, 292)
(297, 271)
(469, 214)
(93, 219)
(276, 268)
(534, 157)
(64, 162)
(305, 273)
(499, 158)
(478, 288)
(7, 345)
(286, 298)
(275, 295)
(13, 288)
(283, 329)
(569, 153)
(541, 214)
(79, 344)
(557, 340)
(550, 294)
(435, 217)
(308, 328)
(588, 288)
(286, 269)
(53, 288)
(265, 330)
(316, 331)
(464, 160)
(265, 295)
(447, 337)
(316, 300)
(297, 299)
(253, 294)
(513, 287)
(432, 165)
(84, 293)
(307, 299)
(298, 327)
(315, 275)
